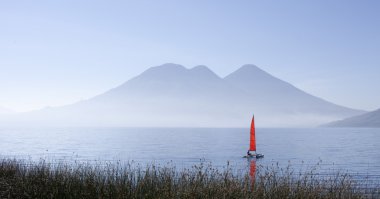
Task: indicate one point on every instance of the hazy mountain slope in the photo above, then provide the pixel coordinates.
(370, 120)
(279, 96)
(171, 95)
(167, 95)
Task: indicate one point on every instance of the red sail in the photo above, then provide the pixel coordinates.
(252, 144)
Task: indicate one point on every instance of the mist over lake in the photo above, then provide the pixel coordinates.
(352, 150)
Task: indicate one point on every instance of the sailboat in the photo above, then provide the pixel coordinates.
(252, 144)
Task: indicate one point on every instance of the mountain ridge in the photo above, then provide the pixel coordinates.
(248, 75)
(366, 120)
(171, 95)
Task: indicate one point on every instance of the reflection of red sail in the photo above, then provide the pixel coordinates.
(252, 168)
(252, 144)
(252, 171)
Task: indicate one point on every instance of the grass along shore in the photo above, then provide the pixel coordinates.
(20, 179)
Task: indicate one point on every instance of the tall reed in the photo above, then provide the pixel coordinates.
(20, 179)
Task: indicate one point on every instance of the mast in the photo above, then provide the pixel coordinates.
(252, 144)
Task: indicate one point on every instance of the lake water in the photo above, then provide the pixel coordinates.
(350, 150)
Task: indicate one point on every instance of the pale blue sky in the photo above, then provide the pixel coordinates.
(58, 52)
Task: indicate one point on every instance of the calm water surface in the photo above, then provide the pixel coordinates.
(352, 150)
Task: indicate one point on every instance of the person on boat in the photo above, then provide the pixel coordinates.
(249, 153)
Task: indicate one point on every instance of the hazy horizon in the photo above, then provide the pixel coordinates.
(58, 53)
